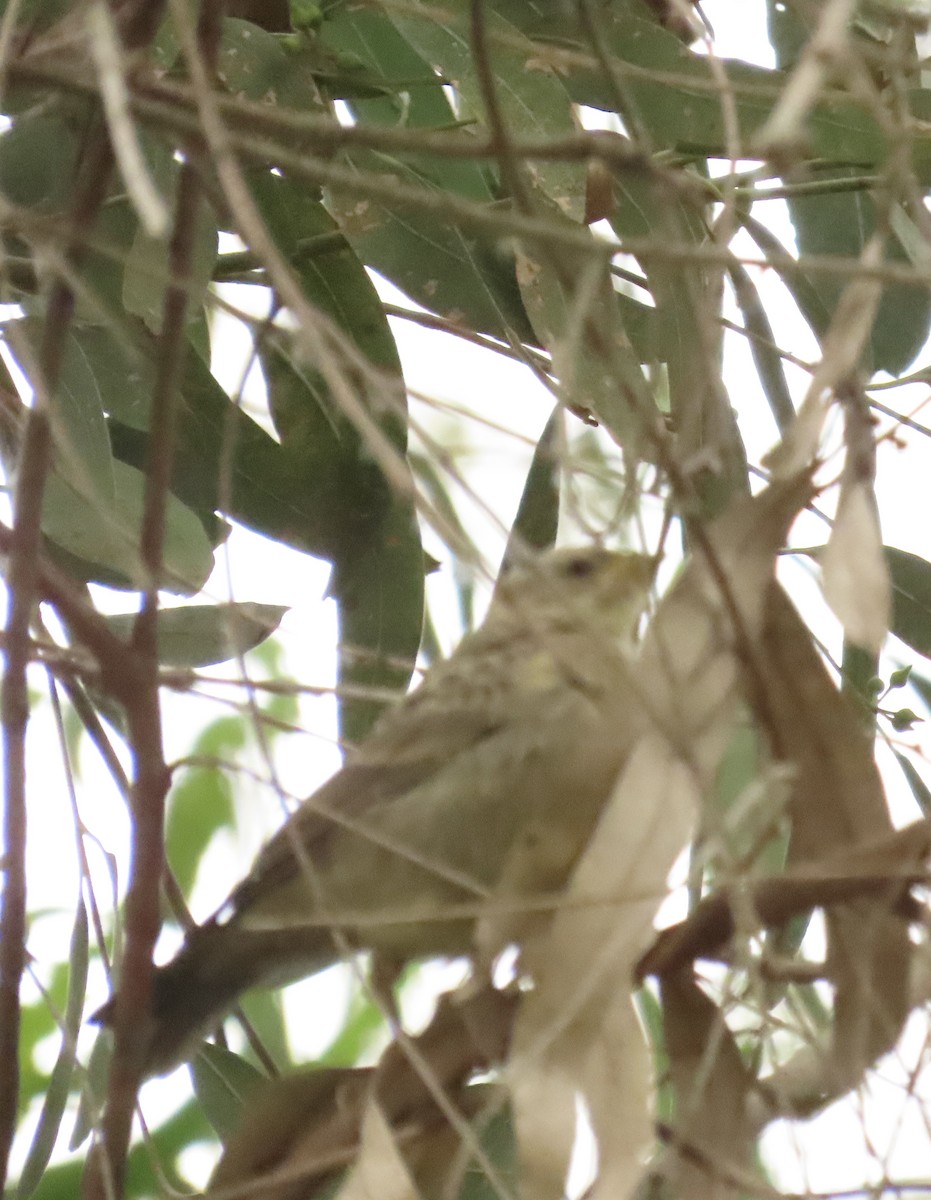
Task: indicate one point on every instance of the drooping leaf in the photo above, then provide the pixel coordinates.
(332, 278)
(538, 511)
(571, 303)
(919, 788)
(105, 535)
(57, 1094)
(763, 347)
(143, 1177)
(684, 294)
(223, 460)
(673, 92)
(447, 269)
(254, 64)
(201, 634)
(413, 94)
(201, 800)
(223, 1083)
(82, 447)
(379, 585)
(532, 98)
(911, 598)
(147, 275)
(38, 157)
(365, 508)
(842, 223)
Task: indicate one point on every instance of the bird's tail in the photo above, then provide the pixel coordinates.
(217, 963)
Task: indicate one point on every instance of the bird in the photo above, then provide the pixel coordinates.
(482, 785)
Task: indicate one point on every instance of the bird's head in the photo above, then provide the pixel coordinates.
(581, 586)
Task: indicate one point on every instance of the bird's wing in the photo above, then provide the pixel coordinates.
(306, 836)
(460, 705)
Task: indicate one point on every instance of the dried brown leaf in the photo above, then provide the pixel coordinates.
(713, 1142)
(854, 572)
(838, 801)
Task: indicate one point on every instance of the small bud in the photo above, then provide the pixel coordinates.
(903, 720)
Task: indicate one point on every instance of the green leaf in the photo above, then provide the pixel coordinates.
(94, 1091)
(36, 1024)
(106, 535)
(335, 281)
(446, 269)
(911, 598)
(433, 484)
(683, 293)
(36, 15)
(496, 1138)
(201, 634)
(342, 483)
(39, 154)
(369, 525)
(79, 428)
(148, 1164)
(363, 1025)
(537, 516)
(412, 93)
(224, 460)
(59, 1085)
(571, 304)
(201, 801)
(147, 270)
(798, 281)
(102, 270)
(923, 687)
(841, 223)
(763, 346)
(223, 1083)
(532, 98)
(651, 1015)
(378, 582)
(675, 95)
(264, 1010)
(253, 64)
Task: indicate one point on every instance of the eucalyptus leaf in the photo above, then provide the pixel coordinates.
(911, 598)
(379, 585)
(537, 518)
(106, 532)
(255, 65)
(919, 788)
(147, 270)
(201, 804)
(412, 93)
(468, 279)
(533, 100)
(200, 634)
(59, 1086)
(223, 1083)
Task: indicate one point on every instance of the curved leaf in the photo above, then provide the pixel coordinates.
(59, 1085)
(106, 535)
(201, 634)
(223, 1083)
(446, 269)
(911, 598)
(537, 516)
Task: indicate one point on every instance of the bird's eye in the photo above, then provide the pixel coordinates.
(580, 567)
